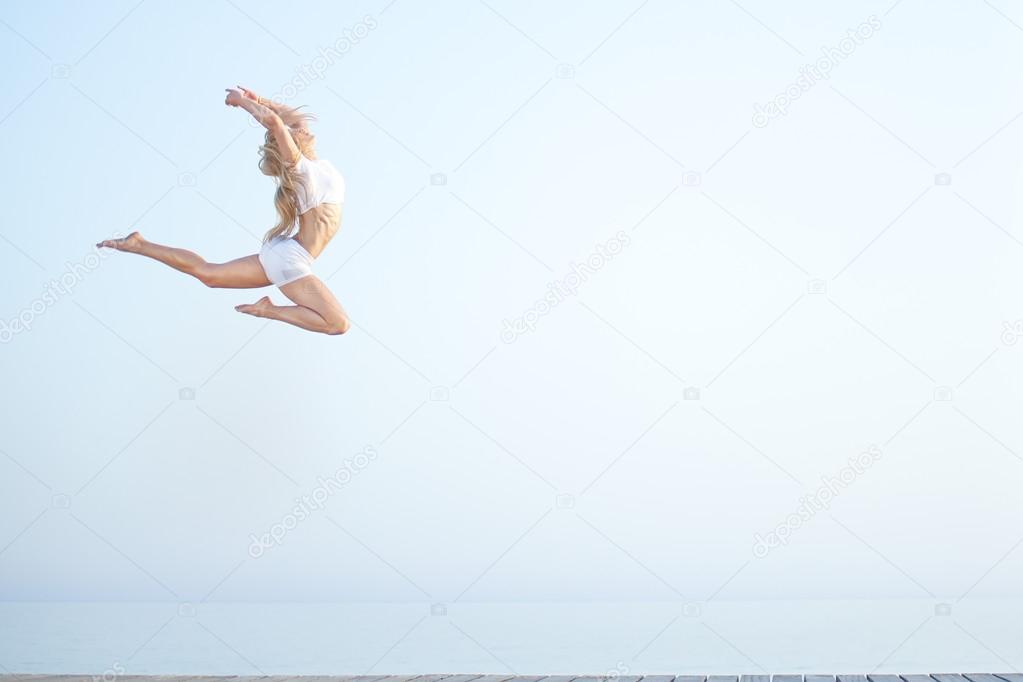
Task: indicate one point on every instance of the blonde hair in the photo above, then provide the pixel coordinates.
(272, 163)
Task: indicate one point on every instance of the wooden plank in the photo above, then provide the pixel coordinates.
(937, 677)
(84, 678)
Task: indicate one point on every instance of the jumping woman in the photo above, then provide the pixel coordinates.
(310, 193)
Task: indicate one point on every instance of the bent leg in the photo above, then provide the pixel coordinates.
(316, 309)
(241, 273)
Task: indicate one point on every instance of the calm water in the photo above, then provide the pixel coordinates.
(630, 638)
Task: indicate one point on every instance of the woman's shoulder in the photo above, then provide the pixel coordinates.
(304, 165)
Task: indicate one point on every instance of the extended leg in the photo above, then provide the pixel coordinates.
(316, 307)
(241, 273)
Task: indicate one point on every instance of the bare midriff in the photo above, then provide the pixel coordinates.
(317, 226)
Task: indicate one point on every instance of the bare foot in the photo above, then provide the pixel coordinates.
(259, 309)
(132, 243)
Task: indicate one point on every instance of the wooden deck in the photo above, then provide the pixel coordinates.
(937, 677)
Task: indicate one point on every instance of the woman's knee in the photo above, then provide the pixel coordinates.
(210, 275)
(337, 325)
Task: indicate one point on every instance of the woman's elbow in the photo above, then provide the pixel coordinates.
(271, 121)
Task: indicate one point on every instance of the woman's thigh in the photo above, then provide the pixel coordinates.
(241, 273)
(311, 292)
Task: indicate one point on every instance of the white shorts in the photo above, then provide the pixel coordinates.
(285, 260)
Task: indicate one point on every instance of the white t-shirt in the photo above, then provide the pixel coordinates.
(323, 184)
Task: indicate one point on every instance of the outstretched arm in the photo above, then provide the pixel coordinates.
(269, 119)
(278, 108)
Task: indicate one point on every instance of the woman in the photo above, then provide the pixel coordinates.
(310, 192)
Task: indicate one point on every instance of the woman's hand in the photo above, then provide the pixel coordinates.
(234, 97)
(249, 94)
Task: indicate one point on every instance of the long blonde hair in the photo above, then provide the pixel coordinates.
(272, 163)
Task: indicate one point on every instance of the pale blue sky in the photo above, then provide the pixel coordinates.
(110, 113)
